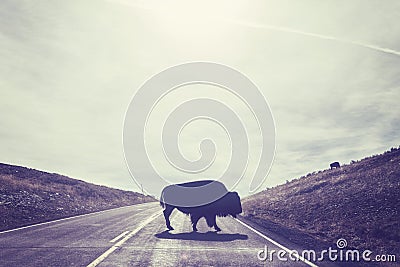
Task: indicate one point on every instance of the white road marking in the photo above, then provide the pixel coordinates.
(122, 241)
(119, 237)
(190, 248)
(68, 218)
(277, 244)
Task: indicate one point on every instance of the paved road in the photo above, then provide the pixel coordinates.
(138, 239)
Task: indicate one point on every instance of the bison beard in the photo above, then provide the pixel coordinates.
(229, 204)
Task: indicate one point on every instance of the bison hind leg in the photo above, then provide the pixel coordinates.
(167, 212)
(210, 220)
(194, 218)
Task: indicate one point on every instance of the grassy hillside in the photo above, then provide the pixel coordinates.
(29, 196)
(358, 202)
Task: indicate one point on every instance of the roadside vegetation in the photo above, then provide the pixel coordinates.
(359, 202)
(30, 196)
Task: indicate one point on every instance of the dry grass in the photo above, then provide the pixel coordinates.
(29, 196)
(359, 202)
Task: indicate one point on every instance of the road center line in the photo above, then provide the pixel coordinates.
(118, 237)
(309, 263)
(122, 241)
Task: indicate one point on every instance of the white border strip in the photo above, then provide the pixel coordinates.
(122, 241)
(277, 244)
(68, 218)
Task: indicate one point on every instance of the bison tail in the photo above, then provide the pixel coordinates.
(162, 203)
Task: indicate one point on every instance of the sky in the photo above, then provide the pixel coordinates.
(330, 71)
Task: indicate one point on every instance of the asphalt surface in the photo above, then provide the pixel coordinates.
(138, 239)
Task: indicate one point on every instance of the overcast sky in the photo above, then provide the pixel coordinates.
(330, 71)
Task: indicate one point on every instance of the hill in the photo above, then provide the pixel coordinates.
(358, 202)
(30, 196)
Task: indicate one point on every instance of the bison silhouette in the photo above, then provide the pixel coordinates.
(227, 204)
(335, 165)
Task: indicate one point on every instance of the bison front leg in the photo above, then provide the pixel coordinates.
(214, 220)
(194, 218)
(167, 212)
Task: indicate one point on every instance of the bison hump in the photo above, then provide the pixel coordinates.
(193, 194)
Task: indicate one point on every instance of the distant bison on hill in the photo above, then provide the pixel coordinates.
(227, 204)
(334, 165)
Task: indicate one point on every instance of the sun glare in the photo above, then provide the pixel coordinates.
(188, 21)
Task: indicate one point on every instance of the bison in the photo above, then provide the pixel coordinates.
(228, 203)
(334, 165)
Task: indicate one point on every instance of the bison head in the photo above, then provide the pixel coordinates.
(229, 204)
